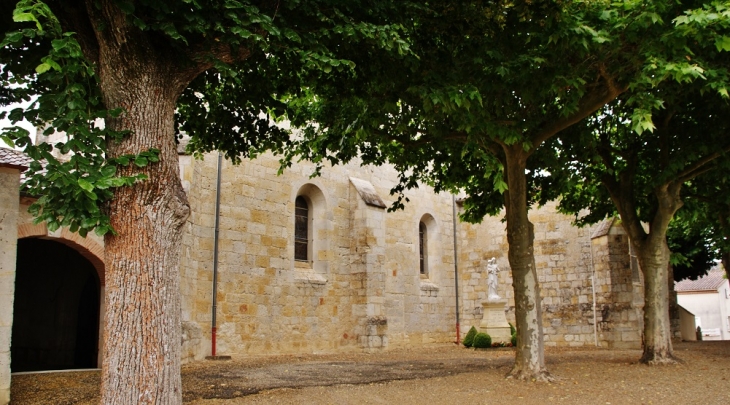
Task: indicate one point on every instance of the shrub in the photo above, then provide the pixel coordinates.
(514, 339)
(482, 340)
(469, 338)
(512, 329)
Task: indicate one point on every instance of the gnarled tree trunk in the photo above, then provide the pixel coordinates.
(530, 355)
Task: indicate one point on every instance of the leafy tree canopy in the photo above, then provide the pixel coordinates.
(494, 74)
(251, 54)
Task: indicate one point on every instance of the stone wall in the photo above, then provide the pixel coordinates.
(361, 287)
(360, 290)
(9, 180)
(566, 258)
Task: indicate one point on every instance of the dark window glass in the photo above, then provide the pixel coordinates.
(421, 245)
(301, 230)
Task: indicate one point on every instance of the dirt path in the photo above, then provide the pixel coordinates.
(435, 375)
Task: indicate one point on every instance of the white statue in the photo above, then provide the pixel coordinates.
(492, 272)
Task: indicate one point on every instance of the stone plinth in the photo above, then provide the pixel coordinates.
(494, 323)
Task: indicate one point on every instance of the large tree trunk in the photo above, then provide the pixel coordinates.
(726, 263)
(141, 351)
(529, 356)
(142, 325)
(653, 258)
(653, 255)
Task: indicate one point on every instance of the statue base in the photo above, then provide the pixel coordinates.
(494, 322)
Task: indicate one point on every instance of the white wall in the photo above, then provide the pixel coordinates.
(710, 307)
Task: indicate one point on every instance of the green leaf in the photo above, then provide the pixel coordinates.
(141, 161)
(24, 17)
(86, 185)
(42, 68)
(11, 38)
(723, 43)
(108, 171)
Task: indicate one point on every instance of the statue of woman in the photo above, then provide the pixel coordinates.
(492, 272)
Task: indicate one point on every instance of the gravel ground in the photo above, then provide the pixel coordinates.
(433, 375)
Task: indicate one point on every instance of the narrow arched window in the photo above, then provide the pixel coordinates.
(422, 244)
(301, 230)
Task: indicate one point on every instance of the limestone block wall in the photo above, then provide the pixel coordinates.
(565, 258)
(9, 180)
(620, 292)
(361, 287)
(420, 307)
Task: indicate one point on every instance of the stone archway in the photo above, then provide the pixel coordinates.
(89, 249)
(58, 308)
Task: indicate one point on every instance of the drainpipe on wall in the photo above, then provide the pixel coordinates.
(456, 269)
(593, 288)
(213, 355)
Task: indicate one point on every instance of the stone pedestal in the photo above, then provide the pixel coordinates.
(494, 323)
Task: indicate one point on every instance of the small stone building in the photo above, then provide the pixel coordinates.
(314, 265)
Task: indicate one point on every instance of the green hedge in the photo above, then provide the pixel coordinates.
(469, 338)
(482, 340)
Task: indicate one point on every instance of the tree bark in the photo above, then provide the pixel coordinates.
(653, 258)
(653, 255)
(141, 345)
(726, 263)
(529, 356)
(142, 325)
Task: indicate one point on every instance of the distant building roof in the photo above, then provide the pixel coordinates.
(709, 282)
(13, 158)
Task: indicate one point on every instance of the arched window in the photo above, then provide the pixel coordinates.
(423, 246)
(301, 230)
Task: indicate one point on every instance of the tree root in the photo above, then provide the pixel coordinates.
(527, 375)
(657, 359)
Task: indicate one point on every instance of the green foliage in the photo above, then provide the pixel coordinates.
(485, 77)
(72, 190)
(482, 340)
(256, 54)
(693, 249)
(469, 338)
(512, 329)
(513, 339)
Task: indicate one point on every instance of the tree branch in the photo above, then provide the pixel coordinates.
(589, 104)
(694, 170)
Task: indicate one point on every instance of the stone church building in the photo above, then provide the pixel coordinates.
(309, 265)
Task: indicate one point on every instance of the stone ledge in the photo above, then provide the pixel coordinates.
(429, 286)
(309, 277)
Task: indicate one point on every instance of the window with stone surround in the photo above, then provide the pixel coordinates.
(309, 244)
(428, 246)
(423, 246)
(301, 230)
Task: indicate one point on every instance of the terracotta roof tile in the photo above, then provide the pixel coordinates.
(14, 158)
(710, 282)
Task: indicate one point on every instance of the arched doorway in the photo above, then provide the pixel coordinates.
(56, 308)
